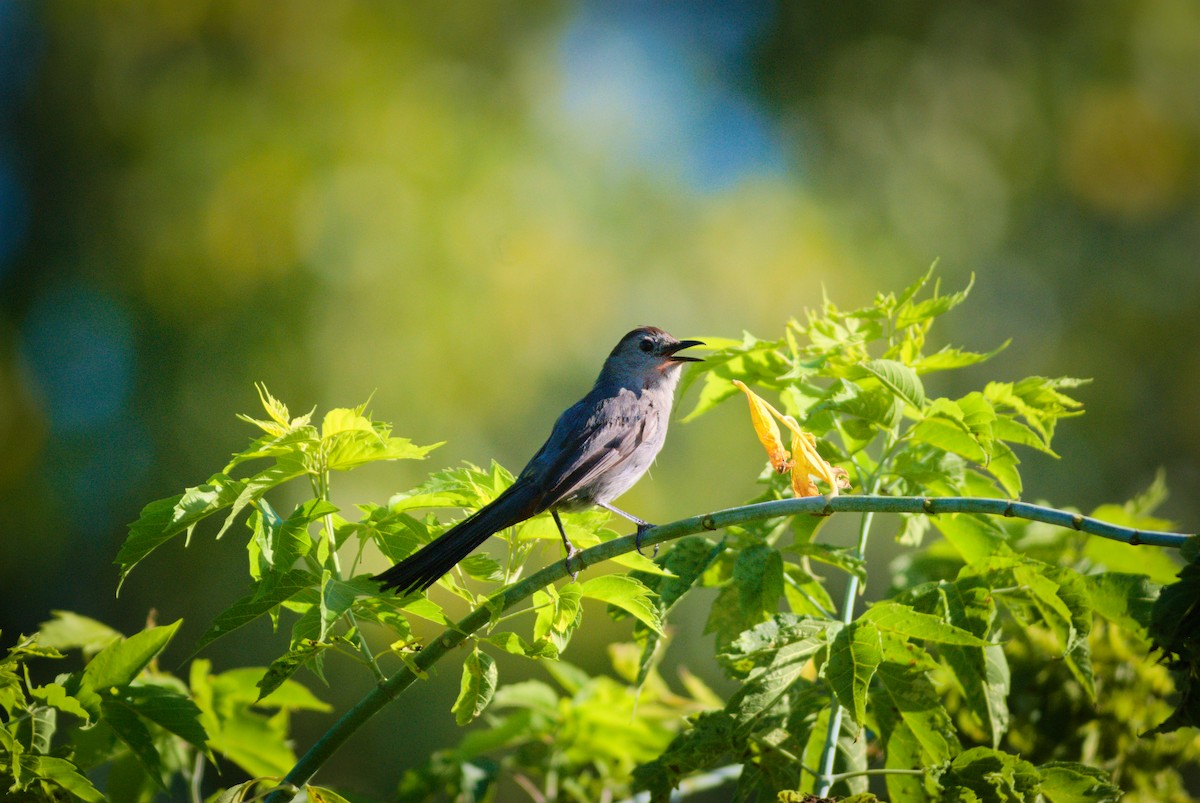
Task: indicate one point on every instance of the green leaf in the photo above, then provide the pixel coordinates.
(296, 445)
(68, 631)
(877, 406)
(1070, 782)
(482, 567)
(267, 594)
(559, 612)
(900, 379)
(344, 419)
(166, 708)
(337, 597)
(991, 775)
(278, 543)
(752, 361)
(533, 695)
(320, 794)
(1044, 593)
(56, 696)
(951, 358)
(982, 673)
(286, 468)
(758, 578)
(1006, 428)
(478, 684)
(66, 775)
(976, 538)
(255, 742)
(131, 730)
(349, 449)
(904, 621)
(118, 664)
(628, 594)
(283, 667)
(912, 312)
(707, 742)
(758, 646)
(904, 752)
(1040, 401)
(854, 658)
(764, 691)
(513, 644)
(905, 694)
(1127, 599)
(165, 518)
(945, 426)
(1002, 464)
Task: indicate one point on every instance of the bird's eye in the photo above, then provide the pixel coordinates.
(647, 345)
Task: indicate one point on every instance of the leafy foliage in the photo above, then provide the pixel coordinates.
(1007, 661)
(121, 709)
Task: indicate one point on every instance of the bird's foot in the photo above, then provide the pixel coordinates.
(637, 542)
(571, 553)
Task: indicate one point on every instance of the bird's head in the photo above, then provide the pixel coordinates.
(647, 356)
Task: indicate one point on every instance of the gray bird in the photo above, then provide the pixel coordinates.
(598, 449)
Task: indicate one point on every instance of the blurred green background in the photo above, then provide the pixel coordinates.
(462, 207)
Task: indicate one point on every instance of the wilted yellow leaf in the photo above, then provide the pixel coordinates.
(803, 460)
(764, 426)
(808, 464)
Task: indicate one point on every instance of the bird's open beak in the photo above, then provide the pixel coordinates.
(673, 356)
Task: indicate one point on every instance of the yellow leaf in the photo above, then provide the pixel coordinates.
(803, 460)
(766, 429)
(808, 464)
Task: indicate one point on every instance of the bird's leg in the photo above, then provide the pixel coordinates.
(642, 526)
(571, 550)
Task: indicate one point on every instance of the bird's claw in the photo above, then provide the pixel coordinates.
(637, 541)
(571, 553)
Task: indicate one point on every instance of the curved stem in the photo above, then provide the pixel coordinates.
(507, 597)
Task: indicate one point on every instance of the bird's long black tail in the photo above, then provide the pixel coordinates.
(423, 568)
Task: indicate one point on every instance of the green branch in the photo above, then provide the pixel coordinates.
(507, 597)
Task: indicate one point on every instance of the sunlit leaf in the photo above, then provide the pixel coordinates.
(68, 631)
(900, 379)
(904, 621)
(119, 663)
(479, 676)
(286, 468)
(626, 593)
(950, 358)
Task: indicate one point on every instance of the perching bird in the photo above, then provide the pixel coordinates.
(598, 449)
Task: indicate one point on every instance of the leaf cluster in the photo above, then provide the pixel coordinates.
(991, 669)
(123, 712)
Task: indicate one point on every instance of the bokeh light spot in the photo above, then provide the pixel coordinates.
(1121, 157)
(77, 350)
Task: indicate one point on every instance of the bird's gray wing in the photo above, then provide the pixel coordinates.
(588, 440)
